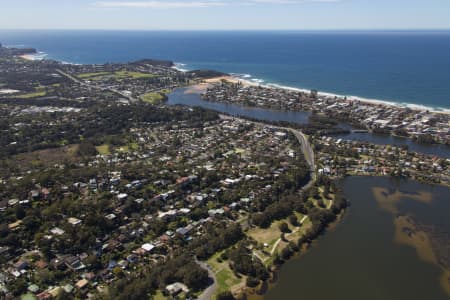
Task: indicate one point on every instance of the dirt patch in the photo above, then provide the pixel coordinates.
(197, 89)
(46, 158)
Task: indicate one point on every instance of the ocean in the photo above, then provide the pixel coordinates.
(405, 67)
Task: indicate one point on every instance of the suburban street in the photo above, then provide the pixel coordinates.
(211, 290)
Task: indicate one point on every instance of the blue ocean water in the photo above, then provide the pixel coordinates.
(398, 66)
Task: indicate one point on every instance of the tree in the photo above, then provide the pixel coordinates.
(293, 220)
(196, 278)
(286, 253)
(20, 212)
(284, 227)
(326, 191)
(294, 247)
(277, 259)
(45, 277)
(242, 261)
(118, 272)
(227, 295)
(64, 296)
(314, 192)
(425, 139)
(4, 230)
(300, 207)
(252, 282)
(17, 287)
(321, 203)
(303, 239)
(93, 262)
(86, 148)
(31, 223)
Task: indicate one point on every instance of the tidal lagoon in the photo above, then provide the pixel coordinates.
(384, 248)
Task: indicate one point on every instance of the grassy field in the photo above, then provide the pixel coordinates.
(92, 75)
(134, 75)
(272, 237)
(266, 236)
(32, 95)
(327, 202)
(226, 279)
(103, 149)
(295, 235)
(153, 98)
(46, 157)
(159, 296)
(271, 234)
(128, 147)
(133, 146)
(118, 75)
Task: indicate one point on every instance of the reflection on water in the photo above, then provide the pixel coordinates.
(188, 97)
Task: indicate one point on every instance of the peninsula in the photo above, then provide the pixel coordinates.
(421, 125)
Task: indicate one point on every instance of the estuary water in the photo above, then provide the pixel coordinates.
(184, 97)
(393, 242)
(363, 258)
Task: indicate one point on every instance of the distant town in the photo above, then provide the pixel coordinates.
(108, 192)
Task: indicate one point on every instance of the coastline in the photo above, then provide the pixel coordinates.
(370, 101)
(35, 57)
(249, 80)
(246, 80)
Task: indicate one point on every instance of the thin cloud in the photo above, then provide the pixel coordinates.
(197, 4)
(159, 4)
(289, 1)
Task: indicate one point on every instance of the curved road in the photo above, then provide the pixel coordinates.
(307, 152)
(309, 157)
(301, 137)
(211, 290)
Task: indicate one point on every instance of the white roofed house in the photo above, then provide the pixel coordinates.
(74, 221)
(122, 196)
(57, 231)
(148, 247)
(176, 288)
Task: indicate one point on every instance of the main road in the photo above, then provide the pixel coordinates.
(301, 137)
(309, 157)
(211, 290)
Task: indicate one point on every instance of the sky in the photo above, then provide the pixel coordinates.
(225, 14)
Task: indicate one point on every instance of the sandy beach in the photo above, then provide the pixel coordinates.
(26, 57)
(349, 98)
(205, 84)
(231, 79)
(33, 57)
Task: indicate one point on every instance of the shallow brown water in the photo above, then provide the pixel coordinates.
(381, 249)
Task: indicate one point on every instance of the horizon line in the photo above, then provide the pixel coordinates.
(229, 30)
